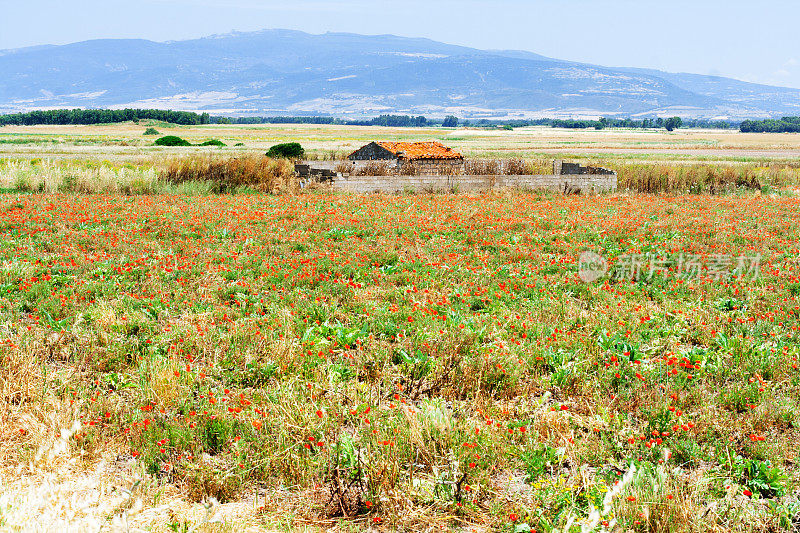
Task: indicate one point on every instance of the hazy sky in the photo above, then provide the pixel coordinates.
(752, 41)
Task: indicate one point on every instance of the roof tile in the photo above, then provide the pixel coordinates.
(423, 150)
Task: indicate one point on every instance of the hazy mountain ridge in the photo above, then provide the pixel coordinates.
(284, 71)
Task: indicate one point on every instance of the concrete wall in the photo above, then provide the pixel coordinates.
(424, 167)
(351, 166)
(562, 168)
(435, 167)
(584, 183)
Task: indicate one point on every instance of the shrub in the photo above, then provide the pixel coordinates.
(172, 140)
(286, 150)
(213, 142)
(151, 131)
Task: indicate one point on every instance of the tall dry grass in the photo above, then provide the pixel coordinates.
(702, 177)
(507, 167)
(74, 176)
(228, 174)
(325, 155)
(660, 177)
(372, 168)
(210, 173)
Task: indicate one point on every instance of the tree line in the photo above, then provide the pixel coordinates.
(670, 123)
(784, 125)
(110, 116)
(393, 121)
(106, 116)
(407, 121)
(102, 116)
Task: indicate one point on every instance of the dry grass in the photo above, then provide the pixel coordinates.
(32, 415)
(206, 173)
(50, 176)
(230, 173)
(333, 142)
(373, 168)
(711, 178)
(508, 167)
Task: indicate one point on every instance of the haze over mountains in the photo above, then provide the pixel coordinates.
(275, 72)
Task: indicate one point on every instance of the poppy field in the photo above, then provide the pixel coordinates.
(405, 362)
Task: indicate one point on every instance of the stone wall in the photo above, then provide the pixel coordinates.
(423, 167)
(563, 168)
(435, 167)
(371, 152)
(583, 183)
(351, 166)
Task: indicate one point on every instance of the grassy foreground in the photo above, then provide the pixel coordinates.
(205, 173)
(407, 362)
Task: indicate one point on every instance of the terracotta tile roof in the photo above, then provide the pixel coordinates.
(427, 150)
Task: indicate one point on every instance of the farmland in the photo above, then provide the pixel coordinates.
(125, 142)
(316, 360)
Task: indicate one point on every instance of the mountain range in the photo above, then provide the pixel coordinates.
(280, 72)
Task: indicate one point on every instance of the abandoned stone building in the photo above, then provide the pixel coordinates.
(428, 158)
(563, 168)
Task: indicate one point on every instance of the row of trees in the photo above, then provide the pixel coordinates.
(645, 123)
(407, 121)
(277, 120)
(784, 125)
(102, 116)
(392, 121)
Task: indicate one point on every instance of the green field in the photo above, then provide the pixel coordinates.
(315, 361)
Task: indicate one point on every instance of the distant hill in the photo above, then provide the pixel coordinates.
(290, 72)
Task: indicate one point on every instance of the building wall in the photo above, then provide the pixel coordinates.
(582, 183)
(424, 167)
(435, 167)
(565, 168)
(372, 152)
